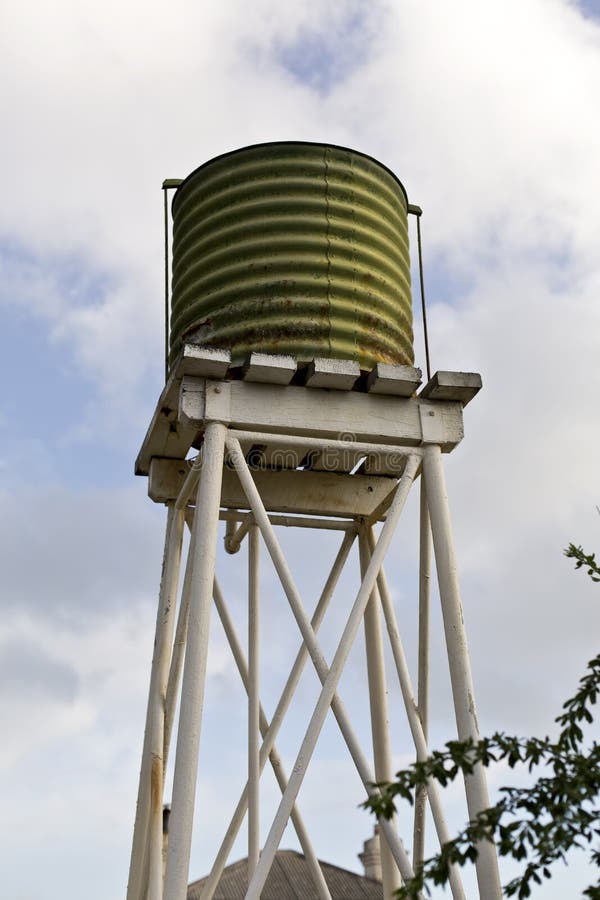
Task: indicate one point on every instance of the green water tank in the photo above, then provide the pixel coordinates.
(295, 248)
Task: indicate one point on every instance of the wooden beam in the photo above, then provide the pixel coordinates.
(166, 436)
(188, 401)
(302, 492)
(294, 410)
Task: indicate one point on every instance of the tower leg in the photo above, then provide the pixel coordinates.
(488, 877)
(382, 751)
(253, 703)
(145, 873)
(414, 720)
(178, 648)
(204, 541)
(423, 667)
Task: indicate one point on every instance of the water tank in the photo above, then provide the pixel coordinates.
(294, 248)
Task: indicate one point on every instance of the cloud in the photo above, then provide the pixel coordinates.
(26, 666)
(68, 556)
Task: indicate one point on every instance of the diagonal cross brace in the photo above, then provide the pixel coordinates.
(277, 719)
(329, 677)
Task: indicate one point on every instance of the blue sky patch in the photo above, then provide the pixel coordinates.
(590, 8)
(325, 56)
(42, 447)
(70, 275)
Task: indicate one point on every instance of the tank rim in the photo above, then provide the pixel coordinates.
(220, 156)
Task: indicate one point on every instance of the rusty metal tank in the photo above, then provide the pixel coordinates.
(295, 248)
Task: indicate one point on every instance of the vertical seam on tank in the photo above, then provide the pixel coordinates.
(356, 305)
(328, 237)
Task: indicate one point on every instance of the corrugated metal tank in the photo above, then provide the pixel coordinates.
(293, 248)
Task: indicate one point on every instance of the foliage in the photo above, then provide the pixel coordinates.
(584, 559)
(535, 825)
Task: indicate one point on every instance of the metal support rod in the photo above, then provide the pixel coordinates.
(253, 702)
(488, 877)
(280, 710)
(233, 542)
(231, 515)
(382, 750)
(423, 668)
(146, 854)
(190, 482)
(194, 674)
(304, 441)
(423, 305)
(412, 715)
(328, 677)
(275, 759)
(232, 529)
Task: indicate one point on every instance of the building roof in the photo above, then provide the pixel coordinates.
(290, 879)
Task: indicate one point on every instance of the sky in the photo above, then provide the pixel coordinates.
(488, 113)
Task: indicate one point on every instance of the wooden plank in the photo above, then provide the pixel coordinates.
(165, 478)
(269, 368)
(400, 381)
(390, 464)
(301, 492)
(456, 386)
(204, 362)
(266, 456)
(333, 460)
(166, 436)
(310, 493)
(335, 374)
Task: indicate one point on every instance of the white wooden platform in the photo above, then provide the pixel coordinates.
(301, 429)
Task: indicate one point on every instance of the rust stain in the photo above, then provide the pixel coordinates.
(156, 783)
(260, 264)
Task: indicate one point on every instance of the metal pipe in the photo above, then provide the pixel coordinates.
(146, 855)
(232, 527)
(423, 305)
(234, 541)
(230, 515)
(328, 677)
(253, 702)
(380, 728)
(194, 672)
(412, 715)
(488, 877)
(275, 759)
(423, 668)
(280, 710)
(288, 440)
